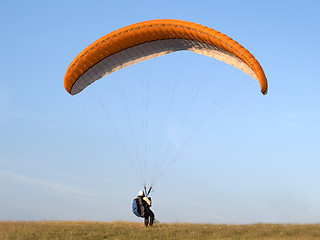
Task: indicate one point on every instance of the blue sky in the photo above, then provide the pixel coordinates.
(257, 160)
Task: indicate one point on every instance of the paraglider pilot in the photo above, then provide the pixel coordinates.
(141, 208)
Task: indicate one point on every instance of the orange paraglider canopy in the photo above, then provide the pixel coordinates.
(149, 39)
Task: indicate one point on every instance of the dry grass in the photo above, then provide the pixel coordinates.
(126, 230)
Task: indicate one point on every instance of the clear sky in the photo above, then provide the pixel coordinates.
(61, 158)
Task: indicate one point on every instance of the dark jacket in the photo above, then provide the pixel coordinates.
(143, 207)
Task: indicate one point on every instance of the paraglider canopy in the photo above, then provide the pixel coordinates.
(149, 39)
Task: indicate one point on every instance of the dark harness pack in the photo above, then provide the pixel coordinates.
(139, 207)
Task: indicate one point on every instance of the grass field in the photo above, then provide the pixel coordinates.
(128, 230)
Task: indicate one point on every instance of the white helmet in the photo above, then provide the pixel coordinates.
(141, 193)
